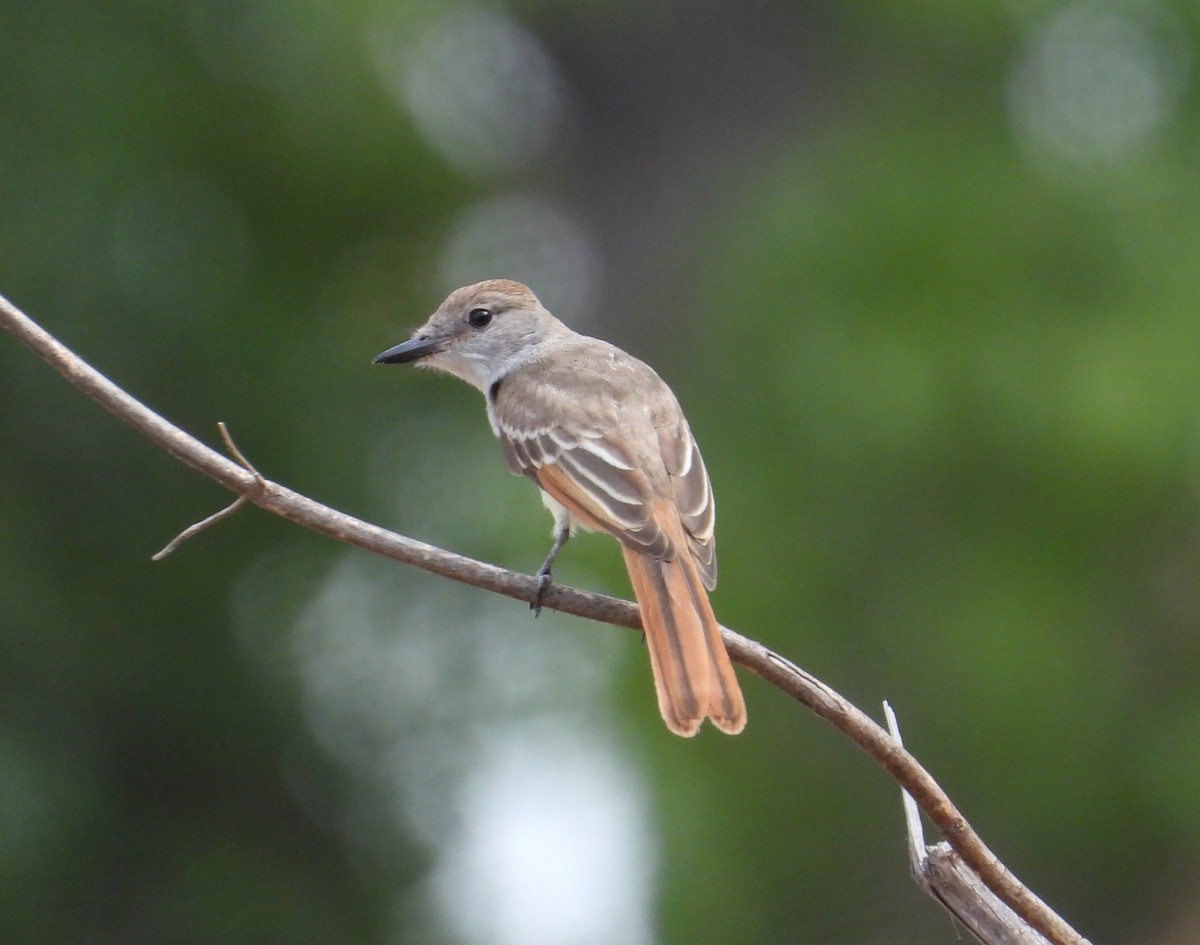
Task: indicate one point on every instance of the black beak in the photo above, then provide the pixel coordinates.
(411, 350)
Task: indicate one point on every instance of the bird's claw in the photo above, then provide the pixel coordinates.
(544, 581)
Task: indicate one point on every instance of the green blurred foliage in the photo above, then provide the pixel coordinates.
(947, 389)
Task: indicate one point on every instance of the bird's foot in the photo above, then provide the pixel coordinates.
(544, 581)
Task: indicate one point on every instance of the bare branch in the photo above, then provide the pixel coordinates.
(775, 669)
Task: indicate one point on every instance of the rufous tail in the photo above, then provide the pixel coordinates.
(693, 675)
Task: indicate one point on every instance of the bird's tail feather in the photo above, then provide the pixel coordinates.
(693, 675)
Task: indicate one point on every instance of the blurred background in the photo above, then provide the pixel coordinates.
(925, 280)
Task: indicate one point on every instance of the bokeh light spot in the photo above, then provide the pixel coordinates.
(1097, 80)
(480, 87)
(555, 844)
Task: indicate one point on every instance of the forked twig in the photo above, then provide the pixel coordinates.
(943, 875)
(192, 530)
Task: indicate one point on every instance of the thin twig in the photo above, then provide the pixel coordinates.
(234, 451)
(777, 670)
(192, 530)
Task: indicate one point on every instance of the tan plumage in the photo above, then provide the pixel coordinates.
(604, 437)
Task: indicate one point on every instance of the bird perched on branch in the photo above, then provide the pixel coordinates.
(604, 438)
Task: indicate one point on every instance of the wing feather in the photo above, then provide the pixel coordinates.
(693, 495)
(622, 485)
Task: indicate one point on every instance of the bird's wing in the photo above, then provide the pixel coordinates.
(569, 435)
(586, 471)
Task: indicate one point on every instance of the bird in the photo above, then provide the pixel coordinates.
(604, 438)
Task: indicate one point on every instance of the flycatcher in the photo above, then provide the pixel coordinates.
(606, 441)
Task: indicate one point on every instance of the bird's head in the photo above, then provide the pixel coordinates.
(479, 333)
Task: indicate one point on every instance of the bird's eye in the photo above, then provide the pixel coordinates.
(478, 317)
